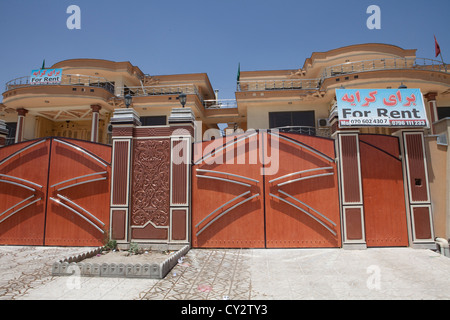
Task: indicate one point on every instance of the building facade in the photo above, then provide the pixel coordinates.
(302, 101)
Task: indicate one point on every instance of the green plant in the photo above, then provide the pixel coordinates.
(134, 248)
(111, 245)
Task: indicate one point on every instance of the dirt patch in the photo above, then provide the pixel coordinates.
(125, 257)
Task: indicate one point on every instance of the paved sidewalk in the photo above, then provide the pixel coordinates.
(240, 274)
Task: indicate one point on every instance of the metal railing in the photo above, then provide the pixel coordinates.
(142, 91)
(311, 131)
(220, 104)
(66, 79)
(290, 84)
(383, 64)
(343, 69)
(324, 132)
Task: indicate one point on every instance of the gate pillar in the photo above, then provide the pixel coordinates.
(417, 192)
(182, 124)
(3, 133)
(351, 197)
(123, 122)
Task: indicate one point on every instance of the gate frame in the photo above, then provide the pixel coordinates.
(126, 128)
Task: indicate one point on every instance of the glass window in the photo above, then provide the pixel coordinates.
(291, 118)
(154, 121)
(443, 112)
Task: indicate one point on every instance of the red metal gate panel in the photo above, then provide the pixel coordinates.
(54, 191)
(240, 203)
(23, 185)
(289, 201)
(302, 206)
(227, 194)
(78, 193)
(382, 182)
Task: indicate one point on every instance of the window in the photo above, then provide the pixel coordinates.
(154, 121)
(443, 112)
(291, 118)
(11, 138)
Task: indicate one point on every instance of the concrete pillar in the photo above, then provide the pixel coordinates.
(123, 122)
(95, 120)
(20, 124)
(182, 125)
(431, 98)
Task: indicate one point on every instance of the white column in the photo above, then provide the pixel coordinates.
(95, 117)
(20, 124)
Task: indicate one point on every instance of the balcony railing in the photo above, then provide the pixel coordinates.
(291, 84)
(220, 104)
(384, 64)
(66, 79)
(311, 131)
(142, 91)
(324, 132)
(343, 69)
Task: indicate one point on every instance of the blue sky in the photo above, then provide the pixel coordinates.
(211, 36)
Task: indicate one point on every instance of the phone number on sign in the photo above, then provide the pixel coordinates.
(381, 121)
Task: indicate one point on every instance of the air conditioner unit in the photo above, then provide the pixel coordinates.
(442, 140)
(322, 122)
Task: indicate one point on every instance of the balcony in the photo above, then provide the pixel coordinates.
(384, 64)
(66, 80)
(343, 69)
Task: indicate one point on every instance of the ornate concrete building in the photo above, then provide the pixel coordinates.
(302, 100)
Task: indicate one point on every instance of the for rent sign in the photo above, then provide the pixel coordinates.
(46, 76)
(381, 107)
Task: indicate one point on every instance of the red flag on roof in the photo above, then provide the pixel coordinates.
(437, 48)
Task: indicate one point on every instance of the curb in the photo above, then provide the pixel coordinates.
(75, 266)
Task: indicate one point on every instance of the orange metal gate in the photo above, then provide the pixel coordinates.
(383, 191)
(264, 189)
(302, 201)
(227, 193)
(54, 191)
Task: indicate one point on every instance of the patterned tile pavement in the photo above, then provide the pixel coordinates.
(239, 274)
(23, 268)
(206, 275)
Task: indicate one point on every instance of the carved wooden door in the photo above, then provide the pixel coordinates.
(150, 207)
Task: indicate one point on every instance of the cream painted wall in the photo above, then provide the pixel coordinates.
(438, 159)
